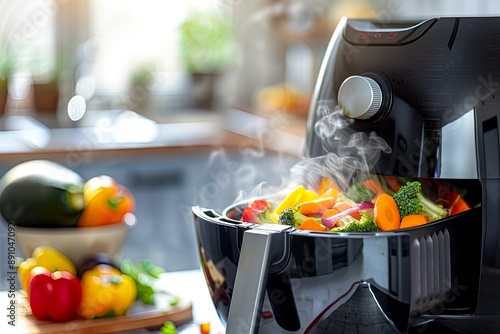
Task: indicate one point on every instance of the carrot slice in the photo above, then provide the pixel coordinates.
(342, 206)
(311, 224)
(373, 186)
(393, 182)
(317, 206)
(413, 220)
(329, 213)
(325, 184)
(386, 213)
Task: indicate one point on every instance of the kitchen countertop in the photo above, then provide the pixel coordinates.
(191, 285)
(121, 131)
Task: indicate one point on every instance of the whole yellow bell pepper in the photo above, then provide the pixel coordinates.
(47, 257)
(106, 292)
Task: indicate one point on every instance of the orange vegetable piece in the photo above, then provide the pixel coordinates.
(331, 192)
(373, 186)
(342, 206)
(312, 225)
(458, 204)
(393, 182)
(317, 206)
(326, 184)
(386, 213)
(329, 213)
(106, 202)
(413, 220)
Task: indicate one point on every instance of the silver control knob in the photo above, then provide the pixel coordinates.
(360, 97)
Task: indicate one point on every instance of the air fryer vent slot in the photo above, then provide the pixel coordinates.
(431, 269)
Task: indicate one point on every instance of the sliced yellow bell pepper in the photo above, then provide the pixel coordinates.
(296, 196)
(308, 195)
(106, 292)
(47, 257)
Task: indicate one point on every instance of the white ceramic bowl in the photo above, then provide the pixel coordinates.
(77, 243)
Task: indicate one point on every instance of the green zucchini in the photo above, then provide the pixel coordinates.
(41, 193)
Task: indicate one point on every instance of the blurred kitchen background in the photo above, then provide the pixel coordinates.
(194, 102)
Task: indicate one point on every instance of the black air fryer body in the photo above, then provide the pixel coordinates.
(428, 90)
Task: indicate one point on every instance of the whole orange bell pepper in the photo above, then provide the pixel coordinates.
(106, 202)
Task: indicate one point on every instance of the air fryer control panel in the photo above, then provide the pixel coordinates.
(432, 74)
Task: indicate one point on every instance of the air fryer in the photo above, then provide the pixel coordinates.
(422, 98)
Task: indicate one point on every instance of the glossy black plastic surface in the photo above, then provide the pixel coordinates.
(428, 270)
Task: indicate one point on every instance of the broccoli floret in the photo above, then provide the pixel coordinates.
(358, 193)
(291, 217)
(365, 224)
(411, 200)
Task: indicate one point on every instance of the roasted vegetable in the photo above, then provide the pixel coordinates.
(411, 200)
(47, 257)
(316, 206)
(359, 193)
(106, 202)
(54, 295)
(298, 195)
(386, 213)
(331, 221)
(259, 212)
(106, 292)
(456, 203)
(413, 220)
(365, 224)
(311, 224)
(41, 193)
(292, 217)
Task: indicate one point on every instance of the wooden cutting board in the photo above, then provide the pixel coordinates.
(138, 316)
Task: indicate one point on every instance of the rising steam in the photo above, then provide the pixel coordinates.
(350, 154)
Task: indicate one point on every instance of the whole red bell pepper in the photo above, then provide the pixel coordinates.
(55, 295)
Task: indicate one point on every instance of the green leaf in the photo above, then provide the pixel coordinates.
(168, 328)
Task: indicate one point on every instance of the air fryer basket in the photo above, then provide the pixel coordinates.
(431, 270)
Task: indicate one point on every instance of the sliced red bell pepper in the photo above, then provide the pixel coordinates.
(55, 295)
(253, 210)
(456, 203)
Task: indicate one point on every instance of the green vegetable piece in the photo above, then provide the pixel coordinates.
(265, 217)
(168, 328)
(358, 193)
(292, 217)
(411, 200)
(365, 224)
(144, 273)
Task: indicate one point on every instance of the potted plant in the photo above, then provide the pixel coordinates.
(206, 50)
(141, 78)
(45, 83)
